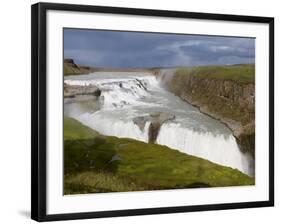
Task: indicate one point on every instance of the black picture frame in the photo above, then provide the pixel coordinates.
(39, 107)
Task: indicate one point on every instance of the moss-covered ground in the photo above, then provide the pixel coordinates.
(96, 163)
(244, 73)
(70, 69)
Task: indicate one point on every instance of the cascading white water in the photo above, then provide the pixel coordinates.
(126, 96)
(113, 127)
(216, 148)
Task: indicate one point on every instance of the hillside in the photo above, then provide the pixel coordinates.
(70, 68)
(226, 93)
(97, 163)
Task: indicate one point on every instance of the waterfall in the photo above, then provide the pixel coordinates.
(219, 149)
(126, 96)
(111, 126)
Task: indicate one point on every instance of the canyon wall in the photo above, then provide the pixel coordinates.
(230, 99)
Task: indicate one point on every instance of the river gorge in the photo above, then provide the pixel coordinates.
(137, 105)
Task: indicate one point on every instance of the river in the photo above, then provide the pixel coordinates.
(128, 95)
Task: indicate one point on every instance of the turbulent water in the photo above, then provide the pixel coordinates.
(126, 96)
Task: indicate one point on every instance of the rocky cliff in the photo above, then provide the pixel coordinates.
(71, 68)
(75, 90)
(226, 93)
(156, 120)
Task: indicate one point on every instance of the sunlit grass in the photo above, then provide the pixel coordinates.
(239, 73)
(69, 69)
(96, 163)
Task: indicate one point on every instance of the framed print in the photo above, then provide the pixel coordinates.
(139, 111)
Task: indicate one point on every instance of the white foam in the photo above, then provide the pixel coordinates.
(114, 127)
(128, 95)
(219, 149)
(119, 92)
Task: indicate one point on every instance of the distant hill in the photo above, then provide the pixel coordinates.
(70, 68)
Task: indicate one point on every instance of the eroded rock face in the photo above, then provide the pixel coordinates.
(75, 90)
(231, 102)
(156, 119)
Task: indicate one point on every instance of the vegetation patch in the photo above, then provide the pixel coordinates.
(70, 68)
(244, 73)
(95, 163)
(226, 93)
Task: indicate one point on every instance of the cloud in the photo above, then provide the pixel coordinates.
(136, 49)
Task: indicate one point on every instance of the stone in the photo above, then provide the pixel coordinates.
(156, 120)
(75, 90)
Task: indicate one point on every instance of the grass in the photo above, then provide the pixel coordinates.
(202, 86)
(96, 163)
(238, 73)
(97, 182)
(70, 69)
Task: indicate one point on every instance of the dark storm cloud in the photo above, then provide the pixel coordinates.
(132, 49)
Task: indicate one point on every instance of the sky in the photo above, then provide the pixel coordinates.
(101, 48)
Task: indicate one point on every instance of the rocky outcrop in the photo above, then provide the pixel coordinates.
(75, 90)
(231, 102)
(69, 60)
(70, 68)
(74, 93)
(156, 120)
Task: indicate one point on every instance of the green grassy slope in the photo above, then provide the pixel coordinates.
(222, 89)
(226, 93)
(72, 69)
(97, 163)
(244, 73)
